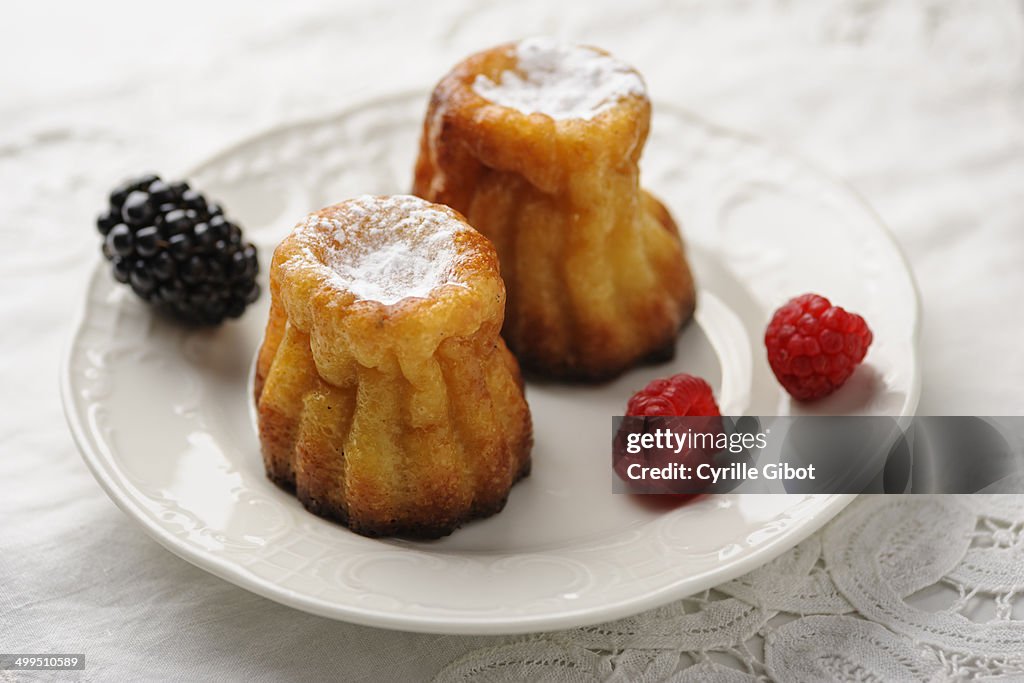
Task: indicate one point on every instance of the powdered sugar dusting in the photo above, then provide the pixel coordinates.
(562, 81)
(389, 248)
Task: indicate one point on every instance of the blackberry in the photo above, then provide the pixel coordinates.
(178, 251)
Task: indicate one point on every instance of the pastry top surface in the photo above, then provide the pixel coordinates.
(380, 277)
(561, 81)
(387, 248)
(465, 131)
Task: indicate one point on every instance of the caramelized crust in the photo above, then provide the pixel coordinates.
(405, 418)
(595, 268)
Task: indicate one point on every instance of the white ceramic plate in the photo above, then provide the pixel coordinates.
(163, 416)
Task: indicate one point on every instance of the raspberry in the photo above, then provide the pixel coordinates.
(679, 395)
(814, 347)
(656, 408)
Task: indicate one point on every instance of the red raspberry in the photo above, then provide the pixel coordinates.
(657, 407)
(814, 347)
(679, 395)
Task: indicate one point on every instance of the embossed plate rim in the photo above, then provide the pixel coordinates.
(469, 623)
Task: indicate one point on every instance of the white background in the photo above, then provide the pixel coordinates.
(920, 105)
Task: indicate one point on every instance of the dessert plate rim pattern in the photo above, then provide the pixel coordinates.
(95, 379)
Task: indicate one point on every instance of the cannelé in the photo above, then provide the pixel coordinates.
(537, 144)
(386, 398)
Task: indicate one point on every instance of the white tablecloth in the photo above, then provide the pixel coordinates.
(919, 104)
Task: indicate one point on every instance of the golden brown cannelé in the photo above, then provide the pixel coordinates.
(538, 145)
(386, 398)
